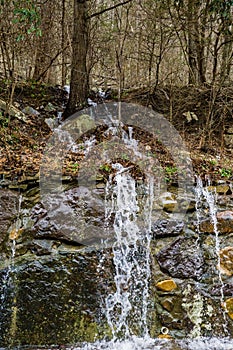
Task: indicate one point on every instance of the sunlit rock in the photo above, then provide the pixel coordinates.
(15, 233)
(226, 261)
(220, 189)
(166, 285)
(229, 307)
(225, 223)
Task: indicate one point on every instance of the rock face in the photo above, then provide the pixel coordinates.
(228, 138)
(55, 272)
(8, 211)
(167, 228)
(182, 259)
(57, 299)
(75, 216)
(225, 223)
(226, 261)
(229, 307)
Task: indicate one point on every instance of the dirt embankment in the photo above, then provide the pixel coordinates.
(202, 116)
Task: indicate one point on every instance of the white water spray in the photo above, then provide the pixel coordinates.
(126, 308)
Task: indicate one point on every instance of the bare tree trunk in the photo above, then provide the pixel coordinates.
(215, 57)
(63, 41)
(227, 52)
(44, 44)
(79, 78)
(8, 64)
(192, 54)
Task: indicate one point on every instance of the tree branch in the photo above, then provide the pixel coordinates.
(51, 62)
(108, 9)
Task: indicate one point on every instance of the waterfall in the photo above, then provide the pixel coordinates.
(209, 198)
(126, 308)
(9, 283)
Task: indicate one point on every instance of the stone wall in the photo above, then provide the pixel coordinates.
(52, 285)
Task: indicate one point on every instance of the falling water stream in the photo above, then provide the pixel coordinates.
(7, 280)
(210, 200)
(126, 309)
(10, 277)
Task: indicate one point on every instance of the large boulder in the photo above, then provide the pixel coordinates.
(75, 216)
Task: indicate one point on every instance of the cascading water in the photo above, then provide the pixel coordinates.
(9, 289)
(209, 197)
(13, 235)
(130, 257)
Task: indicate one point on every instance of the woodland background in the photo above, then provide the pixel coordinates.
(175, 56)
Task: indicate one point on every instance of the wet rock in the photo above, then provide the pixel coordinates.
(52, 123)
(58, 300)
(168, 304)
(226, 261)
(50, 107)
(225, 216)
(32, 197)
(169, 205)
(225, 223)
(75, 216)
(15, 233)
(166, 285)
(226, 288)
(41, 247)
(30, 111)
(167, 228)
(187, 204)
(165, 336)
(206, 226)
(168, 202)
(182, 259)
(8, 211)
(205, 313)
(13, 111)
(220, 189)
(19, 187)
(225, 201)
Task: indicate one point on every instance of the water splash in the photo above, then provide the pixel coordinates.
(161, 344)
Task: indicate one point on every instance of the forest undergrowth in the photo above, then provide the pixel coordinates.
(202, 116)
